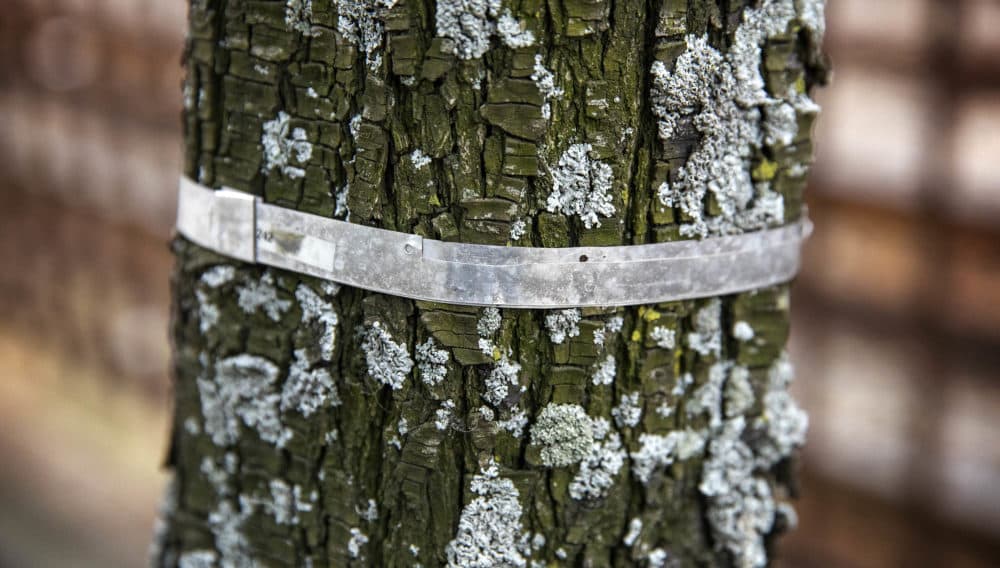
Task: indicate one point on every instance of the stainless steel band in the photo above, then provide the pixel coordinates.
(241, 226)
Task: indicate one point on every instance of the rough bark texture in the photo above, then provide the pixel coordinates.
(318, 425)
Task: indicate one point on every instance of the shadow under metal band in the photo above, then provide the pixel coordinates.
(241, 226)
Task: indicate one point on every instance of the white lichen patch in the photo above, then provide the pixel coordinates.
(470, 38)
(502, 381)
(403, 426)
(362, 22)
(218, 275)
(308, 390)
(562, 324)
(600, 466)
(489, 322)
(286, 502)
(487, 347)
(565, 434)
(706, 338)
(605, 372)
(187, 95)
(431, 363)
(664, 410)
(741, 506)
(634, 531)
(628, 412)
(613, 325)
(262, 295)
(581, 186)
(600, 336)
(226, 524)
(217, 475)
(537, 541)
(742, 331)
(683, 382)
(515, 423)
(370, 512)
(354, 126)
(225, 521)
(357, 540)
(443, 416)
(707, 398)
(317, 310)
(811, 14)
(657, 451)
(486, 327)
(545, 80)
(242, 390)
(517, 229)
(419, 159)
(208, 313)
(730, 459)
(783, 422)
(787, 511)
(664, 337)
(285, 146)
(486, 413)
(723, 95)
(161, 524)
(690, 443)
(388, 362)
(489, 529)
(213, 278)
(340, 208)
(469, 25)
(664, 193)
(298, 16)
(738, 395)
(657, 558)
(781, 124)
(512, 32)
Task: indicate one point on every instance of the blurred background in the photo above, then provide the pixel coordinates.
(896, 330)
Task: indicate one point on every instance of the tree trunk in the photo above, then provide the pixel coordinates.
(325, 425)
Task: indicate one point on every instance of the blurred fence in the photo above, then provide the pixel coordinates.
(896, 329)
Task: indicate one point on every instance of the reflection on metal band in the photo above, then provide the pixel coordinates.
(241, 226)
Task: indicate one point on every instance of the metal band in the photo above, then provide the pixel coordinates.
(240, 225)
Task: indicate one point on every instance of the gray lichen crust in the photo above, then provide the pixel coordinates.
(362, 23)
(723, 96)
(285, 146)
(388, 362)
(581, 186)
(318, 425)
(469, 25)
(564, 434)
(241, 390)
(489, 528)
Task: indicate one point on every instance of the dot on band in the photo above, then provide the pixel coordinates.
(241, 226)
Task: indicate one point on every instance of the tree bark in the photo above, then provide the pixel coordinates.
(325, 425)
